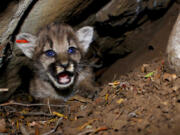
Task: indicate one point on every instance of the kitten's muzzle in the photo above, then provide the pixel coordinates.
(65, 75)
(69, 68)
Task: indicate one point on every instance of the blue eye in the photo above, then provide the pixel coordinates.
(72, 50)
(50, 53)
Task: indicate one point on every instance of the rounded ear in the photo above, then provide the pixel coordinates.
(26, 42)
(85, 36)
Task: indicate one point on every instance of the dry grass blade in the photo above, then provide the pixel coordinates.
(87, 132)
(30, 105)
(23, 130)
(37, 114)
(87, 123)
(55, 128)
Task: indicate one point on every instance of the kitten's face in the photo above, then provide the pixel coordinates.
(57, 52)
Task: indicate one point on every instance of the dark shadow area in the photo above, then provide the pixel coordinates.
(109, 28)
(5, 4)
(91, 9)
(147, 42)
(25, 74)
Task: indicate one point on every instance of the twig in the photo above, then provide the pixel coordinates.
(49, 107)
(93, 130)
(30, 105)
(87, 131)
(10, 109)
(55, 128)
(87, 123)
(37, 114)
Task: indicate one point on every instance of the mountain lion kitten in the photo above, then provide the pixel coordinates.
(57, 59)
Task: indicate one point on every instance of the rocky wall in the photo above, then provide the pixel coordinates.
(113, 20)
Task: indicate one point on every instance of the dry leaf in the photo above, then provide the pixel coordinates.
(121, 100)
(3, 126)
(86, 124)
(106, 97)
(60, 115)
(114, 84)
(101, 129)
(37, 131)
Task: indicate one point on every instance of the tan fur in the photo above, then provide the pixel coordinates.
(43, 85)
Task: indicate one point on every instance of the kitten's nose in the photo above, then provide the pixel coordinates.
(63, 59)
(64, 64)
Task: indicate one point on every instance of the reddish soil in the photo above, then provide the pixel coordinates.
(144, 99)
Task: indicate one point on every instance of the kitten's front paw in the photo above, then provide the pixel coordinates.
(90, 93)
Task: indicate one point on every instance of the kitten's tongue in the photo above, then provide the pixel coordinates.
(64, 78)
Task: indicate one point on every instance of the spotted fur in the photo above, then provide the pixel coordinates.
(59, 73)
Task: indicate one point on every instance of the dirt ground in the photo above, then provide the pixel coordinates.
(144, 100)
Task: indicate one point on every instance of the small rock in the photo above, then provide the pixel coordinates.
(169, 77)
(89, 127)
(132, 115)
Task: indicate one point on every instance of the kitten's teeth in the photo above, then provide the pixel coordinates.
(71, 68)
(59, 69)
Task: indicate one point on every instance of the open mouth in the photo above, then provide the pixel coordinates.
(60, 77)
(64, 78)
